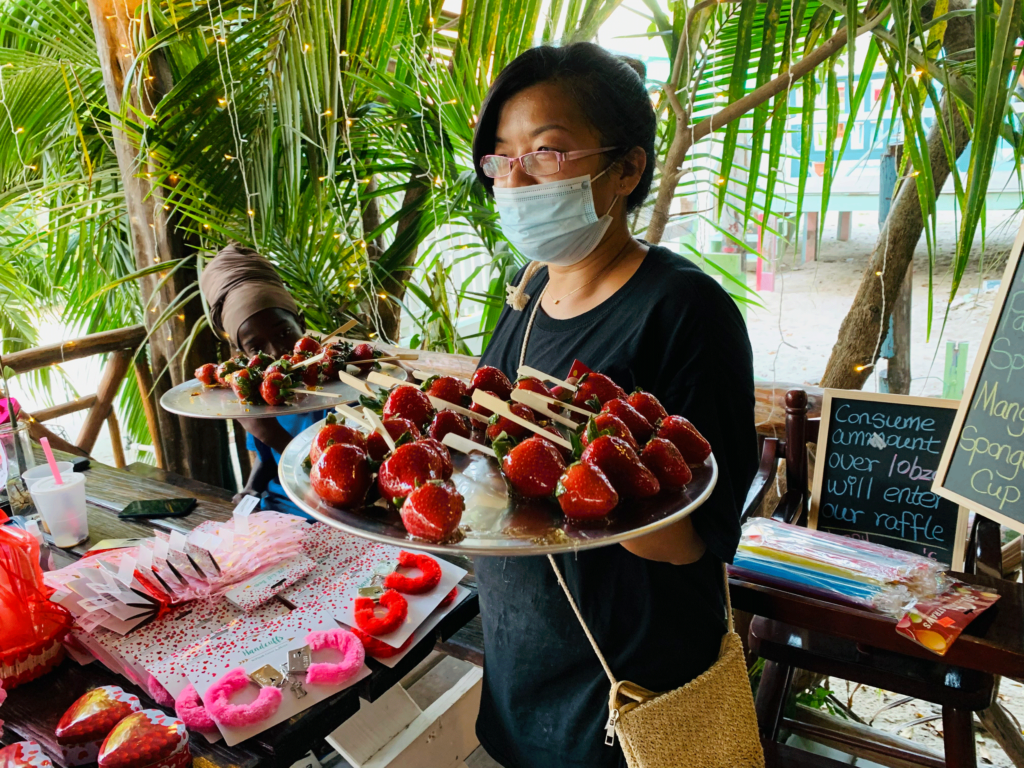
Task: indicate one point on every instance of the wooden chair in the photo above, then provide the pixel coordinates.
(121, 345)
(785, 648)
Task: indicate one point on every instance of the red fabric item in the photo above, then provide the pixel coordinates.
(410, 585)
(372, 624)
(378, 648)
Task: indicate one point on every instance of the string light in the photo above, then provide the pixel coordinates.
(306, 47)
(326, 113)
(878, 274)
(222, 101)
(251, 212)
(343, 53)
(228, 157)
(19, 130)
(181, 317)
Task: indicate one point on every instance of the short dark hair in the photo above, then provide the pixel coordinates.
(609, 90)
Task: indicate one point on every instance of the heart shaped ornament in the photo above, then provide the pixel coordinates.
(24, 754)
(87, 722)
(147, 739)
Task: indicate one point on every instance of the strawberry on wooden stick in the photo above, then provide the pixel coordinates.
(207, 375)
(585, 493)
(276, 388)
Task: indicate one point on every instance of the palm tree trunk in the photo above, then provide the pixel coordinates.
(856, 350)
(187, 442)
(388, 309)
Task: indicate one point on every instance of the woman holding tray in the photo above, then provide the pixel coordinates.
(251, 308)
(565, 143)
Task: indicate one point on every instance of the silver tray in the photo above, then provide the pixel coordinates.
(492, 523)
(191, 398)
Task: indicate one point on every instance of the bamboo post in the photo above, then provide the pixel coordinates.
(115, 440)
(144, 379)
(113, 373)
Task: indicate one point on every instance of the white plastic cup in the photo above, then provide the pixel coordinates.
(63, 508)
(42, 471)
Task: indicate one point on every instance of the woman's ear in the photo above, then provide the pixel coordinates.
(631, 168)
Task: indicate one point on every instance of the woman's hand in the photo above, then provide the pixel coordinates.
(267, 431)
(678, 544)
(259, 479)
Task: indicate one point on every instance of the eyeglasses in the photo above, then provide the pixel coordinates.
(544, 163)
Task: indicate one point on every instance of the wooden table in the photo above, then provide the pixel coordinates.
(33, 710)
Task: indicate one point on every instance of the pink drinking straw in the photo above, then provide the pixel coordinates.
(45, 442)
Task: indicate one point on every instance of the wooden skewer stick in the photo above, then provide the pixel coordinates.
(375, 377)
(351, 413)
(424, 375)
(389, 358)
(378, 426)
(356, 383)
(539, 403)
(345, 328)
(555, 401)
(525, 370)
(444, 405)
(465, 445)
(321, 394)
(309, 361)
(493, 403)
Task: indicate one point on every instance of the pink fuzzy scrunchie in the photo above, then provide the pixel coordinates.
(190, 710)
(237, 715)
(158, 693)
(352, 657)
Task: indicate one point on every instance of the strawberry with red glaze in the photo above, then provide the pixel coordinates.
(691, 443)
(207, 375)
(532, 468)
(229, 367)
(511, 428)
(446, 422)
(666, 462)
(628, 475)
(596, 385)
(444, 458)
(446, 388)
(276, 388)
(258, 363)
(331, 364)
(244, 384)
(409, 466)
(648, 406)
(284, 365)
(566, 452)
(341, 476)
(480, 411)
(333, 433)
(585, 493)
(401, 431)
(362, 357)
(307, 345)
(412, 403)
(607, 424)
(433, 511)
(638, 425)
(491, 380)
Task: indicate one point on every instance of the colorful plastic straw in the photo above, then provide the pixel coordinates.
(45, 442)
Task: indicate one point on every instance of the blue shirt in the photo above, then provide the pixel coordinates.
(274, 498)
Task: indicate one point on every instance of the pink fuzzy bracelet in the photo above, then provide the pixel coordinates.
(190, 710)
(158, 693)
(352, 652)
(237, 715)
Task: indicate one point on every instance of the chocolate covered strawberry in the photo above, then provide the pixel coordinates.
(331, 364)
(401, 431)
(491, 380)
(226, 368)
(446, 422)
(331, 433)
(307, 345)
(410, 403)
(532, 468)
(409, 466)
(513, 429)
(244, 384)
(584, 492)
(638, 425)
(648, 406)
(607, 424)
(667, 463)
(444, 458)
(341, 476)
(619, 462)
(691, 443)
(533, 384)
(596, 385)
(258, 363)
(446, 388)
(276, 388)
(433, 511)
(362, 357)
(207, 375)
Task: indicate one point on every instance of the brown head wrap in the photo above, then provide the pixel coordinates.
(237, 284)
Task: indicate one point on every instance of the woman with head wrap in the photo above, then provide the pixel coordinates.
(252, 309)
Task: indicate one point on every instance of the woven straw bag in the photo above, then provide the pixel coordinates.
(708, 723)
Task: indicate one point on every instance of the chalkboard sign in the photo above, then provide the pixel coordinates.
(877, 456)
(983, 468)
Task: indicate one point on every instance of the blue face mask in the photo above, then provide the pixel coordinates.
(555, 222)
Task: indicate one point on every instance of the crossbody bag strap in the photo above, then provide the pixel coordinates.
(576, 610)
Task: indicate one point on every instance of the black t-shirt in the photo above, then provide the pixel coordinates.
(673, 331)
